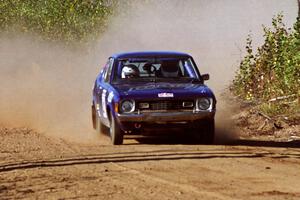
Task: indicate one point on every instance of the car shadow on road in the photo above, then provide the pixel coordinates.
(264, 143)
(165, 140)
(230, 137)
(159, 140)
(223, 137)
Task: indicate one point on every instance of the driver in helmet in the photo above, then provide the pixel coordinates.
(169, 69)
(130, 71)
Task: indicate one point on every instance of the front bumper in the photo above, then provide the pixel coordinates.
(166, 116)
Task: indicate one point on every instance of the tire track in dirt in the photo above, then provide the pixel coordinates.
(135, 157)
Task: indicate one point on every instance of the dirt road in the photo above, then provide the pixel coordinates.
(33, 166)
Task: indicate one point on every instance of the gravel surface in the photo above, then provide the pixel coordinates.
(36, 166)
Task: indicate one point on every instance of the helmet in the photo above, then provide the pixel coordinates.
(169, 69)
(130, 71)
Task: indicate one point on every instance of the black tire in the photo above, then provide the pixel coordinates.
(94, 117)
(209, 132)
(116, 134)
(204, 131)
(101, 128)
(97, 124)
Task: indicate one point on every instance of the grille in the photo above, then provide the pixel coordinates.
(168, 105)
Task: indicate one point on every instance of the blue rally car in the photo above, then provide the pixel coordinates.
(146, 92)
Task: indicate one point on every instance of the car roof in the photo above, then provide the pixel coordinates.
(147, 54)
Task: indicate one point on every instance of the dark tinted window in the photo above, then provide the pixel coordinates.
(176, 68)
(109, 66)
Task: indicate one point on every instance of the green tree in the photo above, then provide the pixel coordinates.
(274, 70)
(69, 20)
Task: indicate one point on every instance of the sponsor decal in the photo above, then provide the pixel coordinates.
(98, 109)
(165, 95)
(104, 103)
(110, 97)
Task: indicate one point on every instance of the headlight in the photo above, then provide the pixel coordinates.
(127, 106)
(204, 103)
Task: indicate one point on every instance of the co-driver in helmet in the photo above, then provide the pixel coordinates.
(130, 71)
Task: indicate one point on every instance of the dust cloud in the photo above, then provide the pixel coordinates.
(48, 87)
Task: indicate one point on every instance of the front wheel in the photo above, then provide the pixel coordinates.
(94, 115)
(100, 127)
(209, 132)
(204, 131)
(116, 134)
(97, 124)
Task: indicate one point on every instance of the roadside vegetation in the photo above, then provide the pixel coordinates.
(270, 77)
(56, 20)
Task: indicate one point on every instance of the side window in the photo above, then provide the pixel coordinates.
(103, 72)
(182, 69)
(109, 70)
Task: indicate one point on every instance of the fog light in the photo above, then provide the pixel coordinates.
(144, 105)
(187, 104)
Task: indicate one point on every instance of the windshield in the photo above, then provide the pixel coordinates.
(155, 69)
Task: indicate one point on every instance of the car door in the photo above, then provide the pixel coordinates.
(104, 90)
(98, 90)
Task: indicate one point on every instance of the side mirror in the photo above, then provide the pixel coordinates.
(205, 77)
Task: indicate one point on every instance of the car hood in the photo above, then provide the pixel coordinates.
(166, 90)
